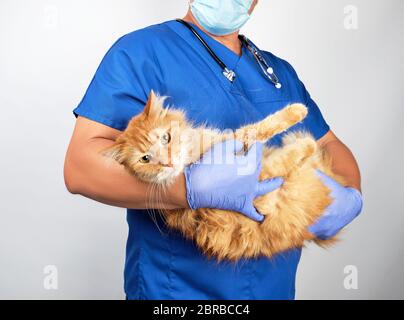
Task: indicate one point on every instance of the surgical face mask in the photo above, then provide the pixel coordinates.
(221, 17)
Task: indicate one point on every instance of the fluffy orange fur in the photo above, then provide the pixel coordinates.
(160, 142)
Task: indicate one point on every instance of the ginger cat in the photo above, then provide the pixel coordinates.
(159, 142)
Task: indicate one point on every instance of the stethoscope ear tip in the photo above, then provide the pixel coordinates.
(278, 85)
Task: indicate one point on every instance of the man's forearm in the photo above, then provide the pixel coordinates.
(344, 163)
(90, 174)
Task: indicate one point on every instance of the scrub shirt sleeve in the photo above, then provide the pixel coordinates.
(314, 122)
(118, 90)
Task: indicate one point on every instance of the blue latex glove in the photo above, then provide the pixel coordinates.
(346, 206)
(226, 180)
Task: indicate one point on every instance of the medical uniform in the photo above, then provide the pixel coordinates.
(167, 58)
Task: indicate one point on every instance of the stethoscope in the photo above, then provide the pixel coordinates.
(230, 74)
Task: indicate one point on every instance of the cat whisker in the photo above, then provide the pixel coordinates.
(149, 203)
(153, 191)
(162, 189)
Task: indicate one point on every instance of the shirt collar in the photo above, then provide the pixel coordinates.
(229, 58)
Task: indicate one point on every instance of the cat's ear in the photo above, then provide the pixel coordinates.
(154, 106)
(150, 105)
(114, 152)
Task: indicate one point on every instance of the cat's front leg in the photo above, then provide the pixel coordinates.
(272, 125)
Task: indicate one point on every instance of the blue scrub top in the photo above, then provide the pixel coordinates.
(160, 263)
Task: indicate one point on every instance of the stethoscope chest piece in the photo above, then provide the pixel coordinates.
(229, 74)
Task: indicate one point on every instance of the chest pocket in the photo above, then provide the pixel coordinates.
(262, 95)
(253, 84)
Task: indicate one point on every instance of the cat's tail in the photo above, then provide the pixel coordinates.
(272, 125)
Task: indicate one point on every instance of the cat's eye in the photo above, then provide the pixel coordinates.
(166, 138)
(145, 159)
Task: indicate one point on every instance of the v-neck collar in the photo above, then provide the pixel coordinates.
(230, 58)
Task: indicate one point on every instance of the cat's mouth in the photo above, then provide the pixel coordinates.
(169, 165)
(169, 173)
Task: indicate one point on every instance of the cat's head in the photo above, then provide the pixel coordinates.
(155, 145)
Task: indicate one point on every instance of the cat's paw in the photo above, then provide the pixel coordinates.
(296, 112)
(309, 146)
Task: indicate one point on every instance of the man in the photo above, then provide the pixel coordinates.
(170, 60)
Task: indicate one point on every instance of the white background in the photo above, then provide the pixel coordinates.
(49, 51)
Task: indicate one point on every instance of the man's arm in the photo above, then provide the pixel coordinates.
(89, 173)
(344, 162)
(92, 175)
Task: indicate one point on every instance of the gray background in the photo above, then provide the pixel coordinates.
(49, 51)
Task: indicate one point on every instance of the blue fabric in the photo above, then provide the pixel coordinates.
(161, 264)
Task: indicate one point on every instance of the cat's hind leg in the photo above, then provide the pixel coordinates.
(284, 160)
(297, 204)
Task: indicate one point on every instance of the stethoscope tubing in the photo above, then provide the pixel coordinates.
(228, 73)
